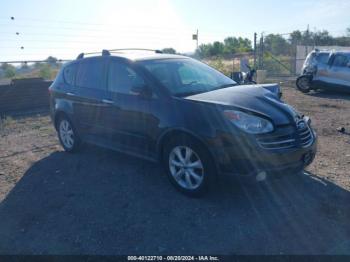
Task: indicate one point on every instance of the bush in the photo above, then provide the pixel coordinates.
(219, 65)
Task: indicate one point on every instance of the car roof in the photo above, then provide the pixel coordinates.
(341, 52)
(331, 51)
(132, 56)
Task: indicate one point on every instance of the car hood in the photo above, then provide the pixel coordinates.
(258, 99)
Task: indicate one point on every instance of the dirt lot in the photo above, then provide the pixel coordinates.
(101, 202)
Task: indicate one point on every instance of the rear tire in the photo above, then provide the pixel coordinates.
(304, 83)
(67, 135)
(189, 165)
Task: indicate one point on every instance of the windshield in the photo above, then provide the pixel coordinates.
(322, 58)
(309, 59)
(186, 76)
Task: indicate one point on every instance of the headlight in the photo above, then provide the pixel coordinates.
(249, 123)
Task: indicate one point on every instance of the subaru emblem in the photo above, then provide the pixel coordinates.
(301, 125)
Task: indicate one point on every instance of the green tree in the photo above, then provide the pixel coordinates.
(217, 49)
(169, 50)
(231, 45)
(296, 38)
(276, 44)
(9, 70)
(45, 71)
(322, 38)
(342, 41)
(204, 50)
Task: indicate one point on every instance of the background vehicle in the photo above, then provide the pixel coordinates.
(314, 59)
(332, 73)
(176, 110)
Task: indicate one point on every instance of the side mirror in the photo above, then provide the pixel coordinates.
(141, 90)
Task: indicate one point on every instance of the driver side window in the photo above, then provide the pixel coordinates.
(121, 78)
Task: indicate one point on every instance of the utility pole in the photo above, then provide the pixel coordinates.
(261, 52)
(255, 35)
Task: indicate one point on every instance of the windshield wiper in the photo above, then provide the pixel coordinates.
(203, 91)
(190, 93)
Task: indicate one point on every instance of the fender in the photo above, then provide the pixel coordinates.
(63, 106)
(168, 131)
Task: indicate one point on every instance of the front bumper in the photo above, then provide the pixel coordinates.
(245, 156)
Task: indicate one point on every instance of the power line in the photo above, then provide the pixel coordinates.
(36, 20)
(89, 29)
(31, 61)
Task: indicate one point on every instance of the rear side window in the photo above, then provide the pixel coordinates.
(69, 74)
(121, 78)
(90, 74)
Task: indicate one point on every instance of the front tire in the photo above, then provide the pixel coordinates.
(304, 83)
(189, 166)
(67, 135)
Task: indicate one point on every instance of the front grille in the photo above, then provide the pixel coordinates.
(302, 136)
(305, 135)
(277, 142)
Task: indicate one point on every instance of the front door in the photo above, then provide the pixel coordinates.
(129, 121)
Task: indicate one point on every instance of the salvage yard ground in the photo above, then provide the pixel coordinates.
(102, 202)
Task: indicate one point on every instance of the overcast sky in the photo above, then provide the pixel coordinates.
(64, 28)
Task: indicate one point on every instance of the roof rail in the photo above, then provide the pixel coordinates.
(104, 53)
(135, 49)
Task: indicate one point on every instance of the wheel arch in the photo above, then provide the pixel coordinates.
(176, 132)
(59, 114)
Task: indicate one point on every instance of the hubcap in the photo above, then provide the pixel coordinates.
(186, 167)
(66, 134)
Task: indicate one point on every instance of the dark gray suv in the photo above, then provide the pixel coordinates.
(196, 121)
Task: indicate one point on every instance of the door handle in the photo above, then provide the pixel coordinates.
(106, 101)
(70, 94)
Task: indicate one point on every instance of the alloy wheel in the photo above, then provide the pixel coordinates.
(66, 134)
(304, 83)
(186, 167)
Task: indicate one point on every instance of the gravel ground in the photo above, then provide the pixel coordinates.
(101, 202)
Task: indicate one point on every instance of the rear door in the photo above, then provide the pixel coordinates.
(89, 94)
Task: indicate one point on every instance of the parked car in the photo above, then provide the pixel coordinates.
(323, 70)
(196, 121)
(315, 58)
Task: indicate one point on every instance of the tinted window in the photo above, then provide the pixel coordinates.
(121, 78)
(69, 73)
(186, 76)
(322, 58)
(90, 74)
(190, 74)
(341, 60)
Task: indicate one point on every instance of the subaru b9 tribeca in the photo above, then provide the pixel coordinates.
(173, 109)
